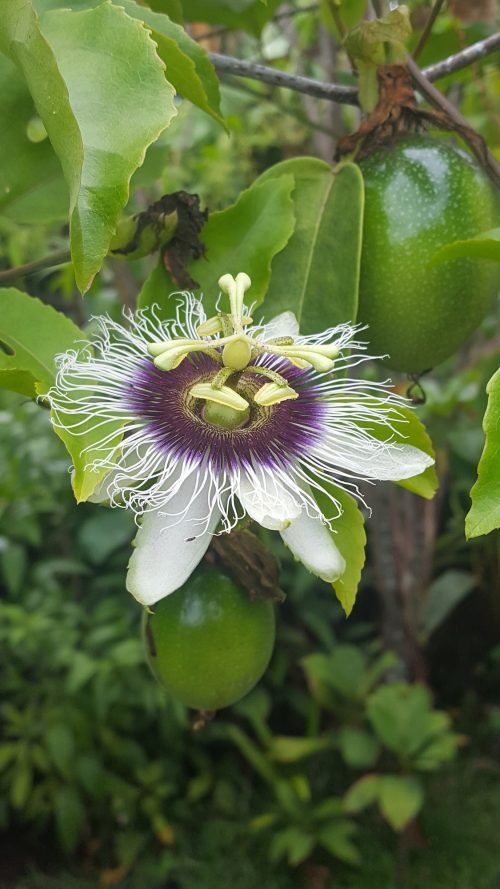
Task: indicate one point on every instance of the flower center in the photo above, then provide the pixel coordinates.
(223, 416)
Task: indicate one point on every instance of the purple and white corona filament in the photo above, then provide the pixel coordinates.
(222, 418)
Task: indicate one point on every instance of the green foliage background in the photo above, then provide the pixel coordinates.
(315, 779)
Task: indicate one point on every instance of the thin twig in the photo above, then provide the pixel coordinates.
(334, 92)
(347, 95)
(436, 9)
(59, 257)
(437, 99)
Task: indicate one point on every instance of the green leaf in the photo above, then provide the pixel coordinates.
(104, 533)
(366, 42)
(362, 793)
(32, 334)
(242, 238)
(61, 747)
(336, 838)
(359, 748)
(350, 12)
(90, 74)
(483, 246)
(21, 782)
(350, 538)
(407, 428)
(293, 843)
(444, 595)
(247, 15)
(400, 799)
(402, 717)
(70, 816)
(341, 670)
(317, 274)
(484, 514)
(288, 749)
(32, 186)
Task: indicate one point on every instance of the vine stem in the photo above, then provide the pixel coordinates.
(436, 9)
(347, 95)
(436, 98)
(59, 257)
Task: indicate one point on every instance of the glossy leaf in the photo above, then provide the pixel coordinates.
(349, 535)
(188, 67)
(90, 73)
(484, 514)
(400, 799)
(31, 335)
(243, 237)
(317, 275)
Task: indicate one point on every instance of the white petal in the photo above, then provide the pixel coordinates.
(166, 548)
(312, 543)
(267, 501)
(374, 459)
(284, 324)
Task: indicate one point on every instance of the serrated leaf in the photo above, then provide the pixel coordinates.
(483, 246)
(317, 275)
(90, 73)
(242, 238)
(188, 67)
(350, 538)
(400, 799)
(34, 333)
(484, 514)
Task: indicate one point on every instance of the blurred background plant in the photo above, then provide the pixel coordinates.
(369, 755)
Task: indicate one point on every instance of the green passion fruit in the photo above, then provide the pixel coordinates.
(208, 643)
(422, 193)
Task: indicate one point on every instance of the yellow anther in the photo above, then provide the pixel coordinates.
(225, 395)
(156, 349)
(172, 357)
(271, 393)
(210, 327)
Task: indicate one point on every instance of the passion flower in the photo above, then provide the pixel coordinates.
(223, 418)
(422, 193)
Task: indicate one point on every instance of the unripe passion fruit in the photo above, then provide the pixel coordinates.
(208, 643)
(422, 193)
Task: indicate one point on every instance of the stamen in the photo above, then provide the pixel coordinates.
(225, 395)
(272, 393)
(171, 358)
